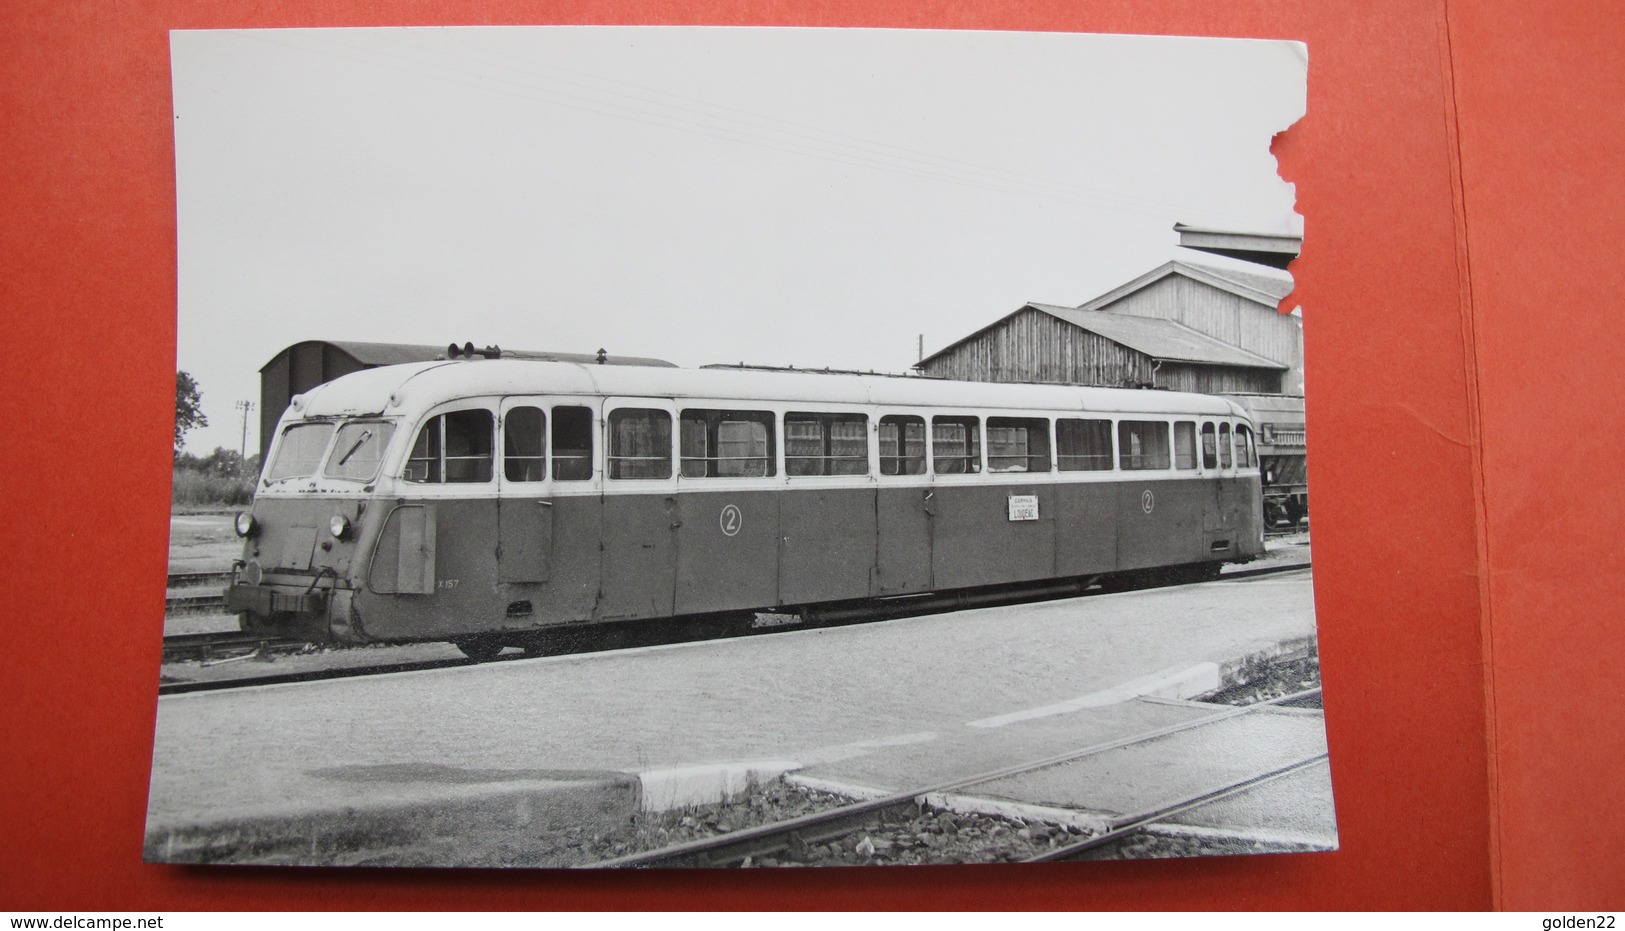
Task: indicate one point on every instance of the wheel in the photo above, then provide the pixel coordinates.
(479, 649)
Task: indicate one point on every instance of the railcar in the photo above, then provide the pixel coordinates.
(487, 501)
(1282, 460)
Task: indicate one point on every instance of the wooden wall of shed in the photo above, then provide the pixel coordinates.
(1224, 316)
(1217, 379)
(1033, 346)
(296, 370)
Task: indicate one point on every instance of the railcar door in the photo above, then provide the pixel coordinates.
(525, 505)
(639, 511)
(548, 511)
(903, 507)
(827, 513)
(727, 544)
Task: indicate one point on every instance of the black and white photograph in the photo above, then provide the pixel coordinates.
(653, 447)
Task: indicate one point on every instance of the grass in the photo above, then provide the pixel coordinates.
(201, 489)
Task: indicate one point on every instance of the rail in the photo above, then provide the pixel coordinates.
(821, 827)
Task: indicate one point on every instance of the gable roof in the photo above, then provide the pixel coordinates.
(1254, 286)
(1167, 340)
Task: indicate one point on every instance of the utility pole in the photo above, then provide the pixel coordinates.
(242, 449)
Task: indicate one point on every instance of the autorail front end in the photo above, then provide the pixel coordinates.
(310, 531)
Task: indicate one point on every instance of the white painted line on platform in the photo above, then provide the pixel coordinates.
(837, 752)
(1173, 682)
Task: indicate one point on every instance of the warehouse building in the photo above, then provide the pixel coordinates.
(1184, 326)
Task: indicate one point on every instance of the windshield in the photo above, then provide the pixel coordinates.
(358, 450)
(300, 451)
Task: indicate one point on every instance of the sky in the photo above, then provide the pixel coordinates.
(807, 197)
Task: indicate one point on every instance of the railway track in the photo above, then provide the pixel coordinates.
(182, 597)
(224, 645)
(189, 579)
(788, 841)
(233, 645)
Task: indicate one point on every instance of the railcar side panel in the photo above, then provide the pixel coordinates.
(1161, 523)
(1085, 529)
(975, 542)
(639, 556)
(462, 532)
(903, 540)
(727, 551)
(826, 545)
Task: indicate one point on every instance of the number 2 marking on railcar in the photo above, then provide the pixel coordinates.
(1148, 501)
(731, 519)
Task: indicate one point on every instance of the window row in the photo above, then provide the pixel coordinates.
(459, 447)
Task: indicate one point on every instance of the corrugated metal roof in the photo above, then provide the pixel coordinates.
(1160, 339)
(1257, 286)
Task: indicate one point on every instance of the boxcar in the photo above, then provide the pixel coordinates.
(484, 501)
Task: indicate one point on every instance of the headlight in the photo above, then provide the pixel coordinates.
(338, 526)
(246, 524)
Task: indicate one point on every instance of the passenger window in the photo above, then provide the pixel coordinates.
(1246, 452)
(1210, 447)
(300, 451)
(1224, 446)
(1084, 445)
(902, 445)
(454, 448)
(1185, 444)
(1017, 444)
(1142, 444)
(572, 443)
(523, 455)
(826, 444)
(956, 443)
(724, 444)
(639, 443)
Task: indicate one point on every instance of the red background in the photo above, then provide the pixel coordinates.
(1457, 169)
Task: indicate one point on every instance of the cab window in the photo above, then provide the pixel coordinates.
(300, 451)
(1246, 452)
(359, 450)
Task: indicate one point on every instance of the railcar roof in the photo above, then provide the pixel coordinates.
(413, 388)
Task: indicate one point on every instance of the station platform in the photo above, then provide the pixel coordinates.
(519, 752)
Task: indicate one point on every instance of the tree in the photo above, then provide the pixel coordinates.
(188, 408)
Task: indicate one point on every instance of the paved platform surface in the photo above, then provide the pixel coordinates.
(890, 704)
